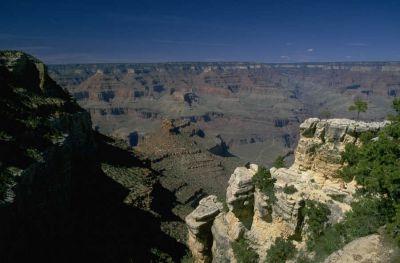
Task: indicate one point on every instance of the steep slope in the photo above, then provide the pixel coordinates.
(279, 214)
(189, 170)
(68, 193)
(255, 108)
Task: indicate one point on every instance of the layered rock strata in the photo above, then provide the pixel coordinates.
(322, 141)
(239, 101)
(253, 215)
(199, 223)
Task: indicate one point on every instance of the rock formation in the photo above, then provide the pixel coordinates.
(67, 193)
(322, 141)
(189, 169)
(256, 217)
(46, 126)
(239, 101)
(199, 223)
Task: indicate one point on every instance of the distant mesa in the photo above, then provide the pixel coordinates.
(190, 98)
(221, 148)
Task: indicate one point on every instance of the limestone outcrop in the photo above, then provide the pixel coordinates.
(260, 217)
(199, 223)
(240, 193)
(322, 141)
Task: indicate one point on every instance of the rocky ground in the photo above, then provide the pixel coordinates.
(186, 167)
(374, 248)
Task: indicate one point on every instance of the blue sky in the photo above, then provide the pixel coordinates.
(88, 31)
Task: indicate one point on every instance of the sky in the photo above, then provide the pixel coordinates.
(99, 31)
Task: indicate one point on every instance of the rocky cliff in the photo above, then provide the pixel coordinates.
(259, 213)
(68, 193)
(42, 128)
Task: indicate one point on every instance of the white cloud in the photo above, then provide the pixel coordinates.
(285, 57)
(357, 44)
(310, 50)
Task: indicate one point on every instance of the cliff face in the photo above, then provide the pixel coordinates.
(260, 217)
(238, 101)
(322, 141)
(43, 127)
(68, 193)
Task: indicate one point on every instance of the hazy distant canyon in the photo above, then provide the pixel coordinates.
(254, 108)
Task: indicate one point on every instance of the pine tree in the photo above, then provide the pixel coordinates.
(359, 106)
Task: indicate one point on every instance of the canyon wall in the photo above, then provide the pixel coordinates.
(68, 193)
(259, 216)
(47, 122)
(255, 108)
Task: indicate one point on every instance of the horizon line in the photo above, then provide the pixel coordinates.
(229, 62)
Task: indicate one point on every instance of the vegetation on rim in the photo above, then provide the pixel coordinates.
(243, 252)
(264, 181)
(359, 106)
(375, 165)
(280, 251)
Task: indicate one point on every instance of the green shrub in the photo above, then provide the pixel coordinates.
(317, 215)
(159, 256)
(34, 154)
(291, 189)
(304, 259)
(279, 162)
(364, 219)
(243, 252)
(394, 225)
(264, 181)
(375, 165)
(359, 106)
(280, 251)
(187, 258)
(5, 180)
(331, 240)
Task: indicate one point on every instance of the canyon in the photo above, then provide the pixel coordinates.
(138, 162)
(255, 108)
